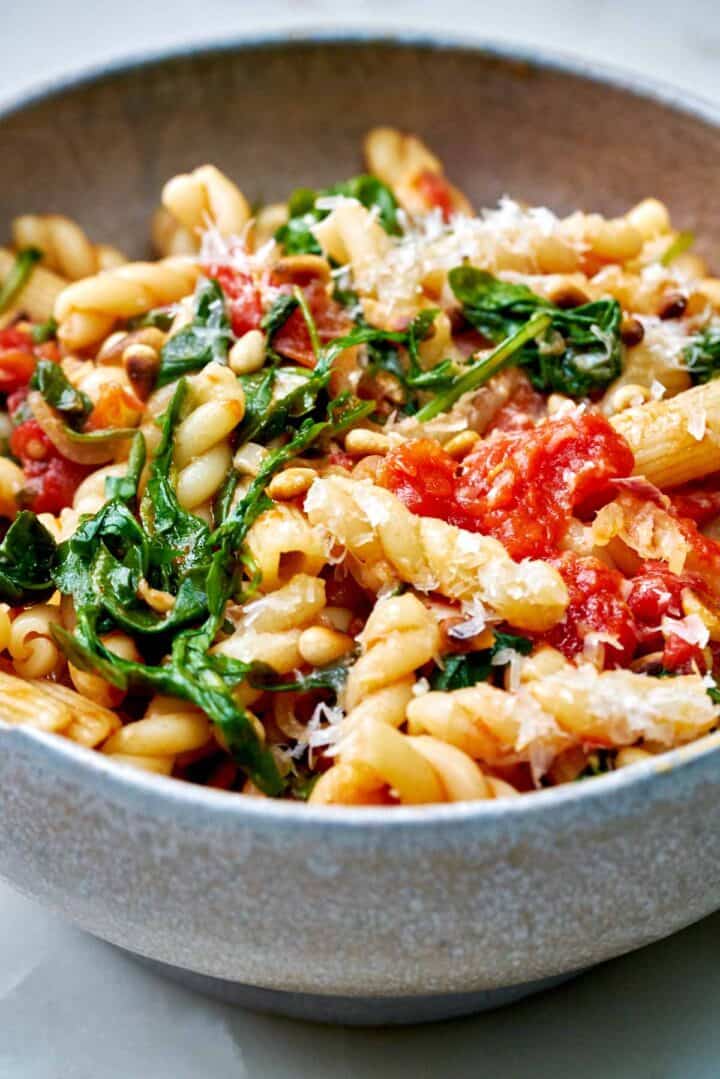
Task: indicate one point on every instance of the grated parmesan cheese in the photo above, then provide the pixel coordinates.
(690, 629)
(697, 424)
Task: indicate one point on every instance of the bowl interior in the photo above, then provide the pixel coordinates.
(284, 114)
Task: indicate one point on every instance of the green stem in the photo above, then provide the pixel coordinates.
(481, 372)
(309, 320)
(19, 275)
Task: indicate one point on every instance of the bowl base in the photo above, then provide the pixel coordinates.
(352, 1011)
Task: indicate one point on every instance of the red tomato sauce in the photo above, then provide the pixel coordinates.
(520, 487)
(698, 501)
(596, 605)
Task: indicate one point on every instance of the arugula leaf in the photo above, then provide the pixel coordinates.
(44, 331)
(18, 276)
(102, 563)
(278, 314)
(713, 693)
(581, 350)
(125, 487)
(467, 668)
(49, 378)
(183, 535)
(160, 318)
(205, 339)
(482, 371)
(27, 557)
(462, 670)
(333, 677)
(523, 645)
(702, 355)
(296, 235)
(302, 784)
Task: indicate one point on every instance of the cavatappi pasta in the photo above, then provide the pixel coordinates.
(364, 498)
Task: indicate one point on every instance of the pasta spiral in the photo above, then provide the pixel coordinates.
(87, 310)
(388, 543)
(204, 197)
(65, 247)
(202, 452)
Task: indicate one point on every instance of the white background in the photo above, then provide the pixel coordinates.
(73, 1008)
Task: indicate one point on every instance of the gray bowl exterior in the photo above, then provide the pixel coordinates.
(364, 915)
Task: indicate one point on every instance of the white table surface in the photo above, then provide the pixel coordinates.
(74, 1008)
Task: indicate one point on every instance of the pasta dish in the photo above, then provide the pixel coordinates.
(366, 498)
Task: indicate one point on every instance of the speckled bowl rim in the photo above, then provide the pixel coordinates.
(117, 780)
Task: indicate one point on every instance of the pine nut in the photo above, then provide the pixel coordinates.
(361, 441)
(248, 354)
(291, 483)
(461, 444)
(318, 645)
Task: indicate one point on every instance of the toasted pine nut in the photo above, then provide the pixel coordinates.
(141, 363)
(318, 645)
(361, 441)
(248, 353)
(460, 445)
(154, 597)
(291, 483)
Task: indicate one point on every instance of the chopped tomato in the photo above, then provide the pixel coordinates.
(596, 606)
(681, 657)
(17, 360)
(117, 406)
(331, 319)
(423, 476)
(521, 487)
(51, 485)
(653, 593)
(243, 298)
(521, 412)
(435, 191)
(51, 480)
(16, 400)
(29, 443)
(698, 501)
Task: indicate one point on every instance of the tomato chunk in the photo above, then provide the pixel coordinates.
(435, 191)
(331, 319)
(521, 412)
(17, 360)
(243, 299)
(698, 501)
(423, 476)
(521, 487)
(682, 657)
(51, 480)
(596, 606)
(117, 406)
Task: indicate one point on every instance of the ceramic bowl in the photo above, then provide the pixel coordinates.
(335, 914)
